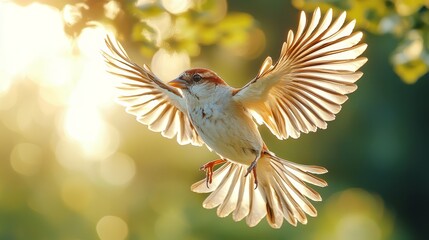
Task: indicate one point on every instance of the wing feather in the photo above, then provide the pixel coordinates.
(318, 66)
(154, 103)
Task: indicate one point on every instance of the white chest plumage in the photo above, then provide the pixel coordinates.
(232, 136)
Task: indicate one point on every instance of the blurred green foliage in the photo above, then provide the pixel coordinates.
(153, 25)
(376, 150)
(407, 20)
(205, 23)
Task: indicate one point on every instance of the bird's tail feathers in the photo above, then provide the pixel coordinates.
(281, 193)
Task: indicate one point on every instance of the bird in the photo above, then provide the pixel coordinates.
(299, 93)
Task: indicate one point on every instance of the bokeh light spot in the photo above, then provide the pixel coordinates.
(354, 214)
(118, 169)
(168, 65)
(144, 3)
(96, 137)
(73, 13)
(16, 51)
(112, 228)
(176, 6)
(111, 9)
(162, 28)
(253, 46)
(76, 194)
(26, 158)
(358, 227)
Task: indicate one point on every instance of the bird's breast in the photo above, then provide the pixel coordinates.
(228, 130)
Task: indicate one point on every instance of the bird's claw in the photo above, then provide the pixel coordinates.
(208, 168)
(252, 168)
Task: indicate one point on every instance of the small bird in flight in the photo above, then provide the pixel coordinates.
(301, 92)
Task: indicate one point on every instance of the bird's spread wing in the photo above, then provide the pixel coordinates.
(317, 67)
(154, 103)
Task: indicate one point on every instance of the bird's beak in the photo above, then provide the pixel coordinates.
(178, 83)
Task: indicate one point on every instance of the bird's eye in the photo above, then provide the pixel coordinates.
(196, 77)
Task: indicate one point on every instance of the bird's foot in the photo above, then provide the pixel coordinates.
(208, 168)
(252, 168)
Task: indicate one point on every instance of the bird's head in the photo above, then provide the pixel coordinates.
(197, 79)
